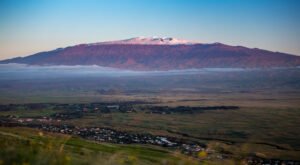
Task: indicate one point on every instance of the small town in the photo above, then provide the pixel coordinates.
(109, 135)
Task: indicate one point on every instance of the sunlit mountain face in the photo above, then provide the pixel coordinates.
(156, 53)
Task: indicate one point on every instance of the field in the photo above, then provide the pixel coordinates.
(265, 125)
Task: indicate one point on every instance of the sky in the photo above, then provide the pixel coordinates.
(31, 26)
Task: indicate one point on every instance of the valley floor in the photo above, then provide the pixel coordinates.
(147, 133)
(237, 117)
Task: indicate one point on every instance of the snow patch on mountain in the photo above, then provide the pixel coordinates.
(149, 41)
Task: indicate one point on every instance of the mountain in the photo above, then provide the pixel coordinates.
(160, 54)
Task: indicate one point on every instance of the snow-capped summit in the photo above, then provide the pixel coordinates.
(150, 41)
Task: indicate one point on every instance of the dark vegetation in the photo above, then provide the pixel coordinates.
(76, 110)
(184, 109)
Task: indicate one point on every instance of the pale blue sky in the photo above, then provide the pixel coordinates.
(30, 26)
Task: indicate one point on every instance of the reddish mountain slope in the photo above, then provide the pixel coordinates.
(160, 56)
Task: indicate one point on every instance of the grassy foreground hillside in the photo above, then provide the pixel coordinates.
(29, 146)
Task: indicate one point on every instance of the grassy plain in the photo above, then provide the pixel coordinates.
(267, 123)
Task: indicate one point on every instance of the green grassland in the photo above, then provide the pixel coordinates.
(264, 131)
(252, 130)
(30, 146)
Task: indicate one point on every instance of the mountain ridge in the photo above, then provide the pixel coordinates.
(160, 54)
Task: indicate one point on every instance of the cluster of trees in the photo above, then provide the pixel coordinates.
(185, 109)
